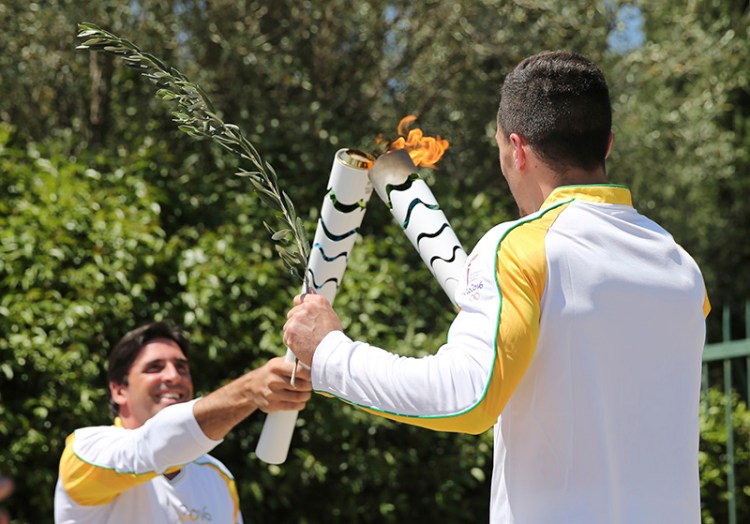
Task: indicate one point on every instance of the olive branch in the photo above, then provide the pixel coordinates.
(196, 116)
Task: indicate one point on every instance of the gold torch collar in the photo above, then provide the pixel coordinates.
(355, 158)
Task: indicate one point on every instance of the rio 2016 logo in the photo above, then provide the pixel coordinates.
(474, 290)
(194, 515)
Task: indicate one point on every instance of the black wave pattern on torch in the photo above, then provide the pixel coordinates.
(318, 286)
(337, 238)
(437, 233)
(333, 237)
(400, 187)
(406, 185)
(447, 260)
(414, 203)
(328, 258)
(346, 208)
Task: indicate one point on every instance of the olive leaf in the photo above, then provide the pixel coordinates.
(195, 115)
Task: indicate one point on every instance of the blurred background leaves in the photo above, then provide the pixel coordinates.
(110, 216)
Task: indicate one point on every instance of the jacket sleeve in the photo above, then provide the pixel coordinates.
(99, 463)
(466, 384)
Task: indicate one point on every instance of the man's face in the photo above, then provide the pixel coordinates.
(159, 377)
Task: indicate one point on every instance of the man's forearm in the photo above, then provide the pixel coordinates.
(442, 391)
(220, 411)
(267, 388)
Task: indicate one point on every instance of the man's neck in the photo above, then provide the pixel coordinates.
(572, 178)
(580, 177)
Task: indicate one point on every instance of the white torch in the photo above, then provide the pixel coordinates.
(395, 179)
(341, 215)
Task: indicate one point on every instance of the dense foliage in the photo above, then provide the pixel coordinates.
(110, 216)
(712, 458)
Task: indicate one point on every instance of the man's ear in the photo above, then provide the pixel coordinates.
(118, 392)
(609, 144)
(519, 150)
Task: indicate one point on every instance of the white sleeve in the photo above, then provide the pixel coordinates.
(170, 438)
(435, 391)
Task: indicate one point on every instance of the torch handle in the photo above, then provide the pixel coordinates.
(276, 435)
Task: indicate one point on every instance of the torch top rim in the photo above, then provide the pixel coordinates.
(356, 158)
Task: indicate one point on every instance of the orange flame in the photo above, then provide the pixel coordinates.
(425, 151)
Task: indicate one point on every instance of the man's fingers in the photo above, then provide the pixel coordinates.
(290, 395)
(287, 400)
(302, 384)
(303, 374)
(285, 406)
(278, 380)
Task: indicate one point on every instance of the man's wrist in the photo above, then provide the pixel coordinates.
(332, 342)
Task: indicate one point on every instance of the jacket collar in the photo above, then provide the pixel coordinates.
(596, 193)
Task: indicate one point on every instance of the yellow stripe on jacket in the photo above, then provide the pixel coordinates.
(231, 486)
(92, 485)
(520, 273)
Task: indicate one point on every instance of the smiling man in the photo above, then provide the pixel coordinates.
(152, 464)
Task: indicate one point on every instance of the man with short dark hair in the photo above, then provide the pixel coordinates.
(152, 465)
(579, 334)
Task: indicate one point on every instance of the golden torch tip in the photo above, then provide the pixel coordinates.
(356, 158)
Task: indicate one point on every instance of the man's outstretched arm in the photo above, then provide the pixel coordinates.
(266, 388)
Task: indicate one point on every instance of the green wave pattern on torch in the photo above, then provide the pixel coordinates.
(345, 208)
(414, 203)
(327, 258)
(400, 187)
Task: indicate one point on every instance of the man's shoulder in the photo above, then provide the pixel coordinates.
(513, 231)
(495, 234)
(98, 428)
(86, 431)
(92, 441)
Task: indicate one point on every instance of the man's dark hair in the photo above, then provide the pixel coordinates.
(558, 101)
(129, 347)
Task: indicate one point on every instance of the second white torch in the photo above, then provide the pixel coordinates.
(341, 215)
(395, 179)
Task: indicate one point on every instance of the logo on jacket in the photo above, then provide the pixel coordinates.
(194, 515)
(474, 284)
